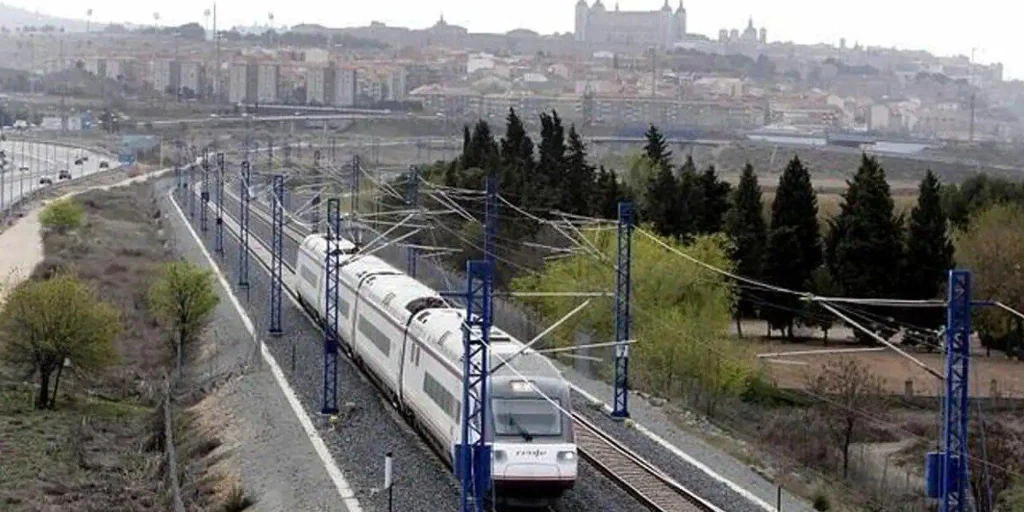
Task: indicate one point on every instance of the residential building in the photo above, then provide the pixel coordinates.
(321, 85)
(268, 83)
(346, 87)
(243, 83)
(396, 85)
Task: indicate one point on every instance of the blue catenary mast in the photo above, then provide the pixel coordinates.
(355, 199)
(474, 454)
(275, 259)
(620, 402)
(954, 482)
(219, 221)
(243, 226)
(412, 199)
(191, 193)
(330, 327)
(204, 194)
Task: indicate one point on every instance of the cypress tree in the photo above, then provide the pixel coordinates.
(607, 194)
(869, 242)
(794, 242)
(690, 200)
(517, 162)
(551, 165)
(579, 176)
(656, 148)
(467, 139)
(715, 204)
(662, 208)
(929, 250)
(746, 228)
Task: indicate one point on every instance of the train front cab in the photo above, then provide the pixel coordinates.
(534, 448)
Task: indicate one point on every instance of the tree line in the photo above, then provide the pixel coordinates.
(868, 249)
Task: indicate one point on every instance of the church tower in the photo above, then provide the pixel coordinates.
(680, 22)
(582, 15)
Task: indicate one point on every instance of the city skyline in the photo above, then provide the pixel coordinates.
(909, 24)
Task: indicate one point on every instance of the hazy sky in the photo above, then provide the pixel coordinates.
(942, 26)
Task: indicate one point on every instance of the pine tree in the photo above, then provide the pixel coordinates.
(746, 228)
(929, 250)
(517, 162)
(579, 176)
(869, 252)
(551, 165)
(656, 148)
(715, 204)
(662, 208)
(690, 200)
(607, 194)
(794, 242)
(483, 151)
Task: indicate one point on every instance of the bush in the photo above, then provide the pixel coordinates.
(63, 215)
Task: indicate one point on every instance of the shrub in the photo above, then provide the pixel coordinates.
(63, 215)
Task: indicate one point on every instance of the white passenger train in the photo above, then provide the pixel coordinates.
(410, 339)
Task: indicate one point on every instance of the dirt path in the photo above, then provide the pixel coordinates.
(21, 245)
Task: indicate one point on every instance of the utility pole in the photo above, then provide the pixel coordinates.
(216, 77)
(355, 198)
(620, 406)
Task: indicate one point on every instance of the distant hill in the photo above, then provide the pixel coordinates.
(12, 17)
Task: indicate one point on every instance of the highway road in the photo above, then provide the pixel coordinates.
(28, 162)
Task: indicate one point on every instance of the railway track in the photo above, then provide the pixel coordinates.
(642, 480)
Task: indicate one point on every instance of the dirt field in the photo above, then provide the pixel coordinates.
(792, 371)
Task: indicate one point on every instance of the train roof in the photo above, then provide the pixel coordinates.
(317, 243)
(402, 295)
(442, 328)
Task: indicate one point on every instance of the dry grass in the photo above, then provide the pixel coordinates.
(89, 454)
(896, 369)
(118, 251)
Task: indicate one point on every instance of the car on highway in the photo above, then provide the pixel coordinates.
(23, 168)
(79, 161)
(64, 175)
(45, 180)
(104, 164)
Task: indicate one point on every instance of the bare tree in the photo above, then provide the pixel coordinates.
(849, 396)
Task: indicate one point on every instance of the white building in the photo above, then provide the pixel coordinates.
(878, 117)
(346, 87)
(396, 85)
(191, 71)
(268, 83)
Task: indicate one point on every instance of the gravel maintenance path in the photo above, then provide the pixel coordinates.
(248, 411)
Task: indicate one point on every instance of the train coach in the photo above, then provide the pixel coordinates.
(410, 340)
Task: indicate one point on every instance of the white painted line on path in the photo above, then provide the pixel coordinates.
(348, 497)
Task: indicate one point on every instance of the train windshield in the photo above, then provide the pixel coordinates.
(526, 417)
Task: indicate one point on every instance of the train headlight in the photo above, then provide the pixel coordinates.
(566, 456)
(499, 455)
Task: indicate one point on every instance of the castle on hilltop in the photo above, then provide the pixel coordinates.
(661, 28)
